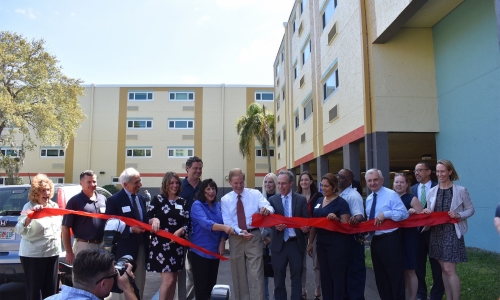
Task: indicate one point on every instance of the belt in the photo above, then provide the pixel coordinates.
(252, 229)
(89, 241)
(292, 238)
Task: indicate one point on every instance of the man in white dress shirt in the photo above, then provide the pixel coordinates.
(387, 256)
(245, 247)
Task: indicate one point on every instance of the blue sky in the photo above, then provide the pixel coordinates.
(156, 42)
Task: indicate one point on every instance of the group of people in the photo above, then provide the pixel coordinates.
(189, 209)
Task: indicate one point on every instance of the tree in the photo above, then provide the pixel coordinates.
(36, 98)
(259, 124)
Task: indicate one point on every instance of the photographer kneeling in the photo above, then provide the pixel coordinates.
(94, 275)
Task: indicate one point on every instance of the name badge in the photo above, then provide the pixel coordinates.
(317, 205)
(178, 206)
(126, 209)
(102, 209)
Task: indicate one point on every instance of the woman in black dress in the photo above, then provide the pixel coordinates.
(332, 247)
(447, 243)
(168, 213)
(409, 236)
(308, 189)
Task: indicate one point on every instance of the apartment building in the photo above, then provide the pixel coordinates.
(385, 84)
(154, 129)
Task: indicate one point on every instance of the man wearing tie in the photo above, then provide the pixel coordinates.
(133, 240)
(238, 207)
(387, 258)
(423, 176)
(288, 244)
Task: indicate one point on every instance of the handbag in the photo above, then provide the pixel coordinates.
(268, 267)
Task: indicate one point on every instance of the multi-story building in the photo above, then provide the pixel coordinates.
(385, 84)
(154, 129)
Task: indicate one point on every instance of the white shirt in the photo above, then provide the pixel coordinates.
(354, 199)
(291, 231)
(252, 200)
(42, 237)
(388, 202)
(427, 189)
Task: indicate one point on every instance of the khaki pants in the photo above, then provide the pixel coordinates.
(243, 253)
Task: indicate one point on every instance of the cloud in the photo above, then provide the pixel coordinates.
(256, 51)
(265, 5)
(29, 13)
(203, 20)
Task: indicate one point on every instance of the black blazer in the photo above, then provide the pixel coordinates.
(127, 243)
(299, 209)
(414, 190)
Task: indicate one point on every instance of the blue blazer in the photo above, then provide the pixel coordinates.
(299, 209)
(127, 243)
(414, 190)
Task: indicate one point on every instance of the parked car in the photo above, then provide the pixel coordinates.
(12, 200)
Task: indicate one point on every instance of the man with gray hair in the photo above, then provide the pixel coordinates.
(133, 240)
(387, 257)
(288, 244)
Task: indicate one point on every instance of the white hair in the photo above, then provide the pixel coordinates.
(371, 171)
(127, 174)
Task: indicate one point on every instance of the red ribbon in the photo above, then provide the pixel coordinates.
(414, 220)
(47, 212)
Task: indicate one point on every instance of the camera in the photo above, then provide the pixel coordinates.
(121, 268)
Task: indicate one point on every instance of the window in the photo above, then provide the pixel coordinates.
(278, 104)
(306, 53)
(284, 135)
(139, 124)
(180, 124)
(308, 109)
(293, 25)
(295, 72)
(57, 179)
(10, 152)
(181, 96)
(277, 69)
(2, 180)
(296, 121)
(140, 96)
(139, 152)
(261, 96)
(259, 152)
(328, 12)
(115, 180)
(180, 152)
(278, 138)
(283, 55)
(283, 94)
(331, 84)
(52, 152)
(303, 6)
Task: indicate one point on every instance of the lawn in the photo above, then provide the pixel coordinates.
(479, 277)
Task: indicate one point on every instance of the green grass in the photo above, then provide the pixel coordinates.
(479, 277)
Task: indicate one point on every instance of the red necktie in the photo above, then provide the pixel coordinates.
(240, 212)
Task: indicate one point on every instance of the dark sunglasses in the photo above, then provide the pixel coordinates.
(108, 277)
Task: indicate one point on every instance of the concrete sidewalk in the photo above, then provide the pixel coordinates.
(224, 277)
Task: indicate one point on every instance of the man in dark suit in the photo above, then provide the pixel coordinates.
(133, 240)
(288, 244)
(421, 189)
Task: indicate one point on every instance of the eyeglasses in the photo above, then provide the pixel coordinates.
(108, 277)
(340, 176)
(420, 170)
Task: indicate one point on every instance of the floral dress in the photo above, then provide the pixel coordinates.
(164, 256)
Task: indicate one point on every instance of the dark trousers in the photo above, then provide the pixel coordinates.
(333, 260)
(290, 255)
(437, 290)
(41, 276)
(388, 267)
(356, 271)
(204, 275)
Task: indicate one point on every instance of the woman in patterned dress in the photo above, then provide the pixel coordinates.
(447, 240)
(168, 213)
(409, 236)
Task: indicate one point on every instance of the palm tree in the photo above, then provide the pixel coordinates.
(259, 124)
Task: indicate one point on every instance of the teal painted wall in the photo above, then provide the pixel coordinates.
(467, 61)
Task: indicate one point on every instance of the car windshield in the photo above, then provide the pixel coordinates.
(12, 200)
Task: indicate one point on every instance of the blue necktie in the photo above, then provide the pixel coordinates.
(372, 209)
(135, 207)
(287, 214)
